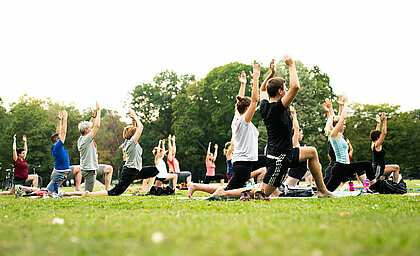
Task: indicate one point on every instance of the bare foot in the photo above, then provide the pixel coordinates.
(219, 193)
(326, 193)
(86, 193)
(191, 189)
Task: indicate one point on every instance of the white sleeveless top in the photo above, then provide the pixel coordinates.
(163, 172)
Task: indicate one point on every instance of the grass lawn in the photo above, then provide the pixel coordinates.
(363, 225)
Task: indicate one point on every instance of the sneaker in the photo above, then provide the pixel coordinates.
(61, 193)
(18, 190)
(259, 195)
(245, 196)
(54, 195)
(45, 195)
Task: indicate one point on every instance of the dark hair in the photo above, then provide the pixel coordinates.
(242, 104)
(19, 150)
(273, 86)
(375, 134)
(55, 137)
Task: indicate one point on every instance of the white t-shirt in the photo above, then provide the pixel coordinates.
(245, 138)
(163, 172)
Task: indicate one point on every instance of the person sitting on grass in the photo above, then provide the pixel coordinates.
(21, 171)
(228, 151)
(163, 175)
(378, 153)
(133, 169)
(211, 167)
(173, 163)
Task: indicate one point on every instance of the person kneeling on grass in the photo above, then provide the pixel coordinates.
(133, 169)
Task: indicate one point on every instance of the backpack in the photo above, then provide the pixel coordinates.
(298, 192)
(389, 187)
(161, 191)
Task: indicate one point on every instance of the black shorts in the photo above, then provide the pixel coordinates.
(300, 171)
(19, 181)
(216, 177)
(378, 171)
(277, 167)
(242, 171)
(160, 179)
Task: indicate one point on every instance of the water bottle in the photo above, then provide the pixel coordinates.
(56, 188)
(367, 183)
(351, 187)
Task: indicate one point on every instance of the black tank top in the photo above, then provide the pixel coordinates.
(379, 157)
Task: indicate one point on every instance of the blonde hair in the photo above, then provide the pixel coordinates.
(331, 123)
(129, 132)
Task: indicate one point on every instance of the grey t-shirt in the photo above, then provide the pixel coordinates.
(134, 152)
(245, 138)
(88, 154)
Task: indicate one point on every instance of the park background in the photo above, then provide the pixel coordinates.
(176, 64)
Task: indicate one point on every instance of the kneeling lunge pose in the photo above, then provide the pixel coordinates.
(133, 169)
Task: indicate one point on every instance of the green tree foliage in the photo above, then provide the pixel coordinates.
(153, 104)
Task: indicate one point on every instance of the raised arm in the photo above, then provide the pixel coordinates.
(343, 116)
(25, 146)
(350, 148)
(173, 143)
(384, 131)
(93, 116)
(97, 123)
(254, 96)
(294, 82)
(64, 127)
(60, 118)
(242, 80)
(295, 138)
(340, 104)
(170, 149)
(208, 152)
(328, 107)
(378, 123)
(139, 129)
(215, 152)
(14, 148)
(157, 153)
(263, 89)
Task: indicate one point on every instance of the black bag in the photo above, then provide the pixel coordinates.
(389, 187)
(298, 192)
(161, 191)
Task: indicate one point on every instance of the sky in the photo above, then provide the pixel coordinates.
(87, 51)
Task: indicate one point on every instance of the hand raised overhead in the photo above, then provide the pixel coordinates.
(288, 60)
(272, 67)
(256, 72)
(242, 77)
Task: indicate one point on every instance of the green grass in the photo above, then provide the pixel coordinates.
(364, 225)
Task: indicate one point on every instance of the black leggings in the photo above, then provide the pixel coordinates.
(128, 175)
(341, 172)
(216, 177)
(328, 172)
